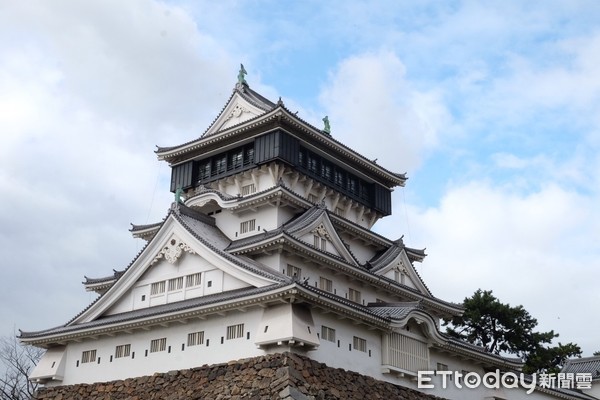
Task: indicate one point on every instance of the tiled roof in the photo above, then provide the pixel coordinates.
(336, 219)
(116, 274)
(330, 137)
(407, 291)
(135, 228)
(269, 106)
(394, 310)
(290, 228)
(255, 98)
(385, 258)
(157, 310)
(213, 238)
(589, 365)
(200, 226)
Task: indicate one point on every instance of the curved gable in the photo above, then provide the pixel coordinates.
(395, 264)
(239, 109)
(315, 228)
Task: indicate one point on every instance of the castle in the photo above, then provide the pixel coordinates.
(268, 248)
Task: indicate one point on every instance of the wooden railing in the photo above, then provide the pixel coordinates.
(405, 353)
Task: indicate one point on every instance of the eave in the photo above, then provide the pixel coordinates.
(282, 240)
(288, 293)
(282, 193)
(179, 315)
(281, 117)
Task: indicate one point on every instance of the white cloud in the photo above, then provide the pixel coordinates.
(370, 102)
(533, 249)
(86, 92)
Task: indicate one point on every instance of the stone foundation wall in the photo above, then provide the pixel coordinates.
(284, 376)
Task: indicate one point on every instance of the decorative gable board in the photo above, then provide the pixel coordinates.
(238, 110)
(172, 245)
(401, 270)
(322, 234)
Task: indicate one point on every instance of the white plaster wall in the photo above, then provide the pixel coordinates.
(211, 352)
(342, 357)
(272, 260)
(218, 350)
(339, 354)
(284, 215)
(361, 252)
(229, 222)
(340, 285)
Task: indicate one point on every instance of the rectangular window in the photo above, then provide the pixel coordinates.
(220, 164)
(351, 185)
(327, 333)
(326, 172)
(88, 356)
(363, 191)
(157, 288)
(195, 338)
(193, 280)
(157, 345)
(338, 177)
(320, 243)
(204, 170)
(312, 163)
(354, 295)
(249, 155)
(293, 271)
(237, 159)
(176, 284)
(248, 189)
(359, 344)
(248, 226)
(302, 158)
(122, 350)
(235, 331)
(325, 284)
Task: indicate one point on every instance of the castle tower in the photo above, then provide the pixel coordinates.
(268, 248)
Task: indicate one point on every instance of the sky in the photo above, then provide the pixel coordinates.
(491, 108)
